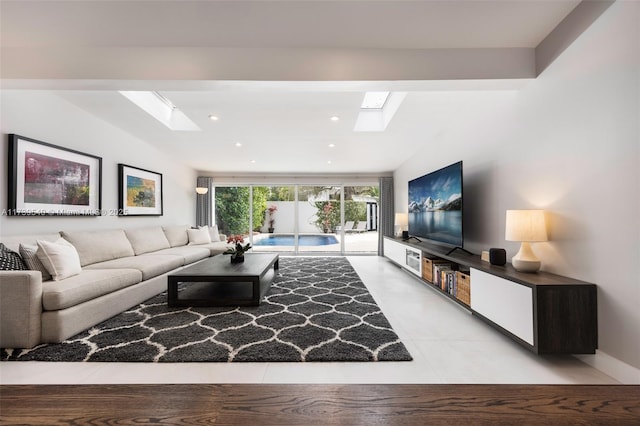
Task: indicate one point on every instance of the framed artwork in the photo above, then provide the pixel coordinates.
(139, 192)
(46, 179)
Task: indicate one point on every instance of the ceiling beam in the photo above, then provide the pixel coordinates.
(264, 64)
(574, 24)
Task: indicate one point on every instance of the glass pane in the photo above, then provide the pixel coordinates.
(274, 218)
(318, 219)
(361, 219)
(232, 210)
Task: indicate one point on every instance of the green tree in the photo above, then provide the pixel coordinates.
(282, 193)
(260, 195)
(232, 209)
(355, 211)
(328, 215)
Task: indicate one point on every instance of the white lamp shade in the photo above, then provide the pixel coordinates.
(525, 225)
(402, 219)
(202, 190)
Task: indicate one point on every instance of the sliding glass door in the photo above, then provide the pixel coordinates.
(302, 219)
(361, 219)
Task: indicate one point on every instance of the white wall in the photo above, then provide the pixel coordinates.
(285, 217)
(49, 118)
(569, 143)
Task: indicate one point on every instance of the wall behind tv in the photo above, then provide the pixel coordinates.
(568, 143)
(29, 113)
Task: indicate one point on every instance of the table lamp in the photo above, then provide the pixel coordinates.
(525, 226)
(402, 221)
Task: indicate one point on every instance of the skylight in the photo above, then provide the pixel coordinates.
(381, 108)
(162, 109)
(374, 100)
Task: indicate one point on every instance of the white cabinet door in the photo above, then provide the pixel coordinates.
(398, 253)
(395, 251)
(506, 303)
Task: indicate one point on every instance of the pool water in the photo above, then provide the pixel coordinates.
(303, 240)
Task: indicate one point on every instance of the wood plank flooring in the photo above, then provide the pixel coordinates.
(245, 404)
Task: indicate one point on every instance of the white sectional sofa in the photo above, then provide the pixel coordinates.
(119, 269)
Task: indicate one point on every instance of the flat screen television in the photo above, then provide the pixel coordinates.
(435, 206)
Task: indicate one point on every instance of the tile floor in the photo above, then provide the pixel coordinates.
(447, 343)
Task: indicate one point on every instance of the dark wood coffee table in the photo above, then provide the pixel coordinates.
(218, 282)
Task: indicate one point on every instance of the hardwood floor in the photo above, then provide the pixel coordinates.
(245, 404)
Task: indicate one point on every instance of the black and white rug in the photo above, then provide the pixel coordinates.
(317, 309)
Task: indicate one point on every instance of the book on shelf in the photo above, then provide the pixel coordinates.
(448, 276)
(439, 276)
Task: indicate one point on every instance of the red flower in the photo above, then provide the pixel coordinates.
(235, 239)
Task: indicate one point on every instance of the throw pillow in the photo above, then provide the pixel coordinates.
(28, 253)
(145, 240)
(177, 235)
(60, 258)
(198, 236)
(10, 260)
(213, 232)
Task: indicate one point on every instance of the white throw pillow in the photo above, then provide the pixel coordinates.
(60, 258)
(198, 236)
(177, 235)
(213, 232)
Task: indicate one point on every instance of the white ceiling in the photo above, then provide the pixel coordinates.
(284, 126)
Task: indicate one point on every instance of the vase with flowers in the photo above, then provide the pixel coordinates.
(272, 209)
(238, 250)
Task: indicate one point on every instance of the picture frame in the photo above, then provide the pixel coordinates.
(139, 192)
(49, 180)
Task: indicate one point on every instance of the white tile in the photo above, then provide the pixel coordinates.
(150, 373)
(49, 373)
(447, 343)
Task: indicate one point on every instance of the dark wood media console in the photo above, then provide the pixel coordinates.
(547, 313)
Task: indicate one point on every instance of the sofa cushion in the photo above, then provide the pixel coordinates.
(145, 240)
(10, 260)
(150, 265)
(88, 285)
(60, 258)
(215, 248)
(176, 235)
(213, 232)
(199, 236)
(190, 254)
(28, 253)
(100, 246)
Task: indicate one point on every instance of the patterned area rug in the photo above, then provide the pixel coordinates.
(317, 309)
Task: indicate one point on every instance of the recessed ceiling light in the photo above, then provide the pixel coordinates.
(329, 162)
(238, 144)
(334, 118)
(332, 145)
(214, 117)
(253, 161)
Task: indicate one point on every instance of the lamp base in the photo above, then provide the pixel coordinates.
(526, 260)
(526, 265)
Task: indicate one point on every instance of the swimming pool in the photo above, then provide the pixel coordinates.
(288, 240)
